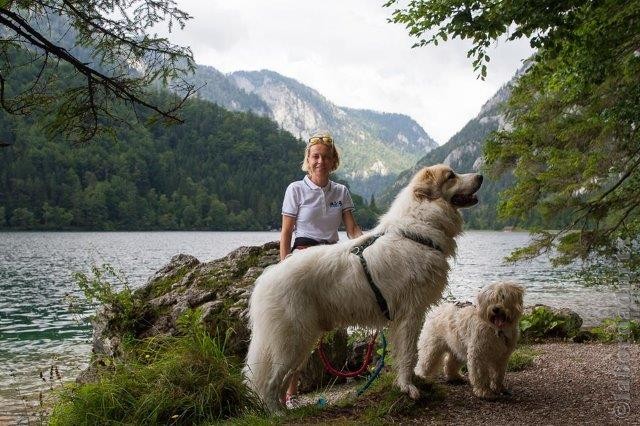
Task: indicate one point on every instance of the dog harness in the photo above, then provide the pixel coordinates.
(359, 251)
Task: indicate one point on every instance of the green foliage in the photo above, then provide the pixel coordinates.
(617, 330)
(182, 380)
(366, 215)
(539, 323)
(222, 171)
(109, 287)
(522, 358)
(542, 322)
(78, 68)
(573, 144)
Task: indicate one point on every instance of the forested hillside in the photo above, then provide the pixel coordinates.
(220, 170)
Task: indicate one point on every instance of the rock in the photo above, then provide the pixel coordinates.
(552, 322)
(220, 289)
(584, 336)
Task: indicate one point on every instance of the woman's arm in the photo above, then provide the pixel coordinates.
(286, 233)
(353, 230)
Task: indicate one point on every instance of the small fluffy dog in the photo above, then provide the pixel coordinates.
(322, 288)
(483, 336)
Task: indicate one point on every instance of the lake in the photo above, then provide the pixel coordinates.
(38, 329)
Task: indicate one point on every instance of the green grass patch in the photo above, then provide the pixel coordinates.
(107, 286)
(522, 358)
(246, 263)
(170, 380)
(386, 400)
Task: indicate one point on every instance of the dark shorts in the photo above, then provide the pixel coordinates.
(303, 242)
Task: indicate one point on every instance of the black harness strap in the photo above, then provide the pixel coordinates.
(359, 251)
(425, 241)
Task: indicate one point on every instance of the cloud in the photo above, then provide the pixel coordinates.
(348, 52)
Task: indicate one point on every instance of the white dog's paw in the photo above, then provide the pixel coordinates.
(411, 390)
(421, 373)
(485, 393)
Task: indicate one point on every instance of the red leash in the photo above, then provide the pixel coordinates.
(340, 373)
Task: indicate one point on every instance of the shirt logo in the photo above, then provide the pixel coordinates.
(335, 204)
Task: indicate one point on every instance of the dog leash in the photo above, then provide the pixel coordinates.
(359, 251)
(322, 401)
(347, 374)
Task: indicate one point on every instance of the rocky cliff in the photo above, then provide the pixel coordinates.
(375, 146)
(463, 152)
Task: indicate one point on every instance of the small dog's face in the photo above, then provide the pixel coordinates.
(500, 304)
(441, 182)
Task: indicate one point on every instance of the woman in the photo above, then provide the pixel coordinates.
(314, 208)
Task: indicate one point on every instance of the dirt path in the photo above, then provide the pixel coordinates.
(567, 384)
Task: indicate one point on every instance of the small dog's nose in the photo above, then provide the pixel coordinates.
(480, 179)
(495, 310)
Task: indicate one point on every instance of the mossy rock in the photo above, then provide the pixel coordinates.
(542, 321)
(220, 290)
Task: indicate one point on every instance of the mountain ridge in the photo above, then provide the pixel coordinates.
(375, 145)
(463, 153)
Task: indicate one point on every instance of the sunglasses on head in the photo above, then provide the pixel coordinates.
(321, 139)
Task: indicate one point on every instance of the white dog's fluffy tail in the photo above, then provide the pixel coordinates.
(258, 367)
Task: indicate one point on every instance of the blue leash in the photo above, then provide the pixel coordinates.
(378, 369)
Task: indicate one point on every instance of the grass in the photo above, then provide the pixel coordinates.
(386, 400)
(163, 286)
(522, 358)
(170, 380)
(381, 404)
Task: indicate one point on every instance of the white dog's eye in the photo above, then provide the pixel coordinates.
(451, 175)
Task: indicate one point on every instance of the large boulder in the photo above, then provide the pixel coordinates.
(542, 321)
(220, 289)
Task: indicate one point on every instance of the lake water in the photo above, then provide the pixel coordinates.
(38, 330)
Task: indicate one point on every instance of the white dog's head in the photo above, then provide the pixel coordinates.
(500, 304)
(441, 182)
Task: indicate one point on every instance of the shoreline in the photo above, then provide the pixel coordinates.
(567, 383)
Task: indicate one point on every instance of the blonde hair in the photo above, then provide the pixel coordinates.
(319, 138)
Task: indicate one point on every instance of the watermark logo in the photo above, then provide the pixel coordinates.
(621, 404)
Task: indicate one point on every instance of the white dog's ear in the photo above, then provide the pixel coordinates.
(427, 187)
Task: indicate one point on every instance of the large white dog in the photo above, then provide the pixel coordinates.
(322, 288)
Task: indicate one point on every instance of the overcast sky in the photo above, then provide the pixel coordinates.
(347, 51)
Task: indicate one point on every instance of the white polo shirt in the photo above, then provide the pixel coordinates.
(318, 210)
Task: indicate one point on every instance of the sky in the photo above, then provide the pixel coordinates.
(347, 51)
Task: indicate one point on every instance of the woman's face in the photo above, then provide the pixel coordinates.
(320, 161)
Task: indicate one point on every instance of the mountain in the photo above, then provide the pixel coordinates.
(221, 170)
(463, 152)
(216, 87)
(375, 146)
